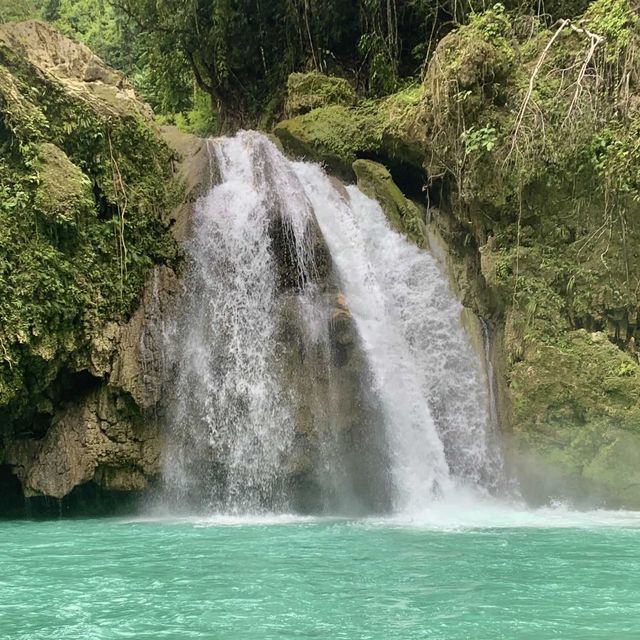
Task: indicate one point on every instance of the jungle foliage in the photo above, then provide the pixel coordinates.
(241, 52)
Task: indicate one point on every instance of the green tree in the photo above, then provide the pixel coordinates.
(241, 51)
(14, 10)
(236, 51)
(51, 10)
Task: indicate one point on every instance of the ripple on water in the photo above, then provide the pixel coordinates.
(441, 574)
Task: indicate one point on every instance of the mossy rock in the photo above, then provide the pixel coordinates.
(64, 191)
(332, 135)
(580, 380)
(308, 91)
(85, 186)
(375, 181)
(338, 135)
(575, 402)
(616, 467)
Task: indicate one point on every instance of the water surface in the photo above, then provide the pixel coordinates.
(490, 574)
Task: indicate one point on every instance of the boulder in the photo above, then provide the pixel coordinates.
(308, 91)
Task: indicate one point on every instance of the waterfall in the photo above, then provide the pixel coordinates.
(425, 371)
(230, 406)
(268, 399)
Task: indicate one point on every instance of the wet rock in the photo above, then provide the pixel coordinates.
(83, 405)
(102, 437)
(375, 181)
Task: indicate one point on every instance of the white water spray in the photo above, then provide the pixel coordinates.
(232, 401)
(230, 404)
(425, 371)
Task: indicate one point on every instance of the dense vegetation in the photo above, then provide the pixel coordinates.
(239, 53)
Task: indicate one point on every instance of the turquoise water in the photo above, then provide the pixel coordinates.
(539, 575)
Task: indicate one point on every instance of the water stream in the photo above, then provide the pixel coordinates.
(234, 415)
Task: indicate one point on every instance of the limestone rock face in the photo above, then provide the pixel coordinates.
(74, 65)
(102, 438)
(111, 434)
(80, 398)
(138, 366)
(339, 436)
(194, 171)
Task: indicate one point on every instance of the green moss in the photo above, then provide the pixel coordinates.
(575, 402)
(334, 135)
(462, 108)
(20, 117)
(308, 91)
(391, 122)
(584, 379)
(502, 110)
(338, 135)
(84, 184)
(616, 466)
(375, 181)
(63, 194)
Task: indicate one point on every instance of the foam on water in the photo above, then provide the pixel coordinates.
(229, 520)
(469, 511)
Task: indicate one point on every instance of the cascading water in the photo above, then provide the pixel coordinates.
(235, 416)
(230, 406)
(425, 371)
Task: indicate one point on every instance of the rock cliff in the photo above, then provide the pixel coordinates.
(94, 199)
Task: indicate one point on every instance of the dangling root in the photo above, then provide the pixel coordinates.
(595, 40)
(118, 186)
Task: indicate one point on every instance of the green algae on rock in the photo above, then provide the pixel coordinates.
(330, 135)
(575, 401)
(338, 135)
(308, 91)
(87, 189)
(375, 181)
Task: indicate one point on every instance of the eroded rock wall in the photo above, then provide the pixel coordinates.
(96, 199)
